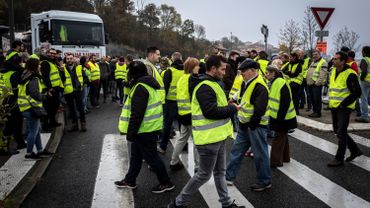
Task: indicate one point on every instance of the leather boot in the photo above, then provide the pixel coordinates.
(83, 126)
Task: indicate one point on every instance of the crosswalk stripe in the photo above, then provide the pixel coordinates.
(324, 189)
(16, 168)
(360, 140)
(208, 190)
(113, 165)
(326, 146)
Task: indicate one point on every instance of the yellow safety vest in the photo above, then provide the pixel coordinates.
(6, 80)
(80, 77)
(316, 73)
(275, 98)
(68, 87)
(153, 117)
(237, 86)
(120, 72)
(298, 79)
(10, 55)
(95, 71)
(157, 76)
(176, 74)
(25, 101)
(209, 131)
(305, 67)
(54, 76)
(247, 108)
(338, 89)
(183, 95)
(63, 34)
(263, 65)
(367, 78)
(2, 85)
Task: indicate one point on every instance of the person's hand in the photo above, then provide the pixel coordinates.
(238, 107)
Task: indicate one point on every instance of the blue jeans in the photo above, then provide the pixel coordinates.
(365, 88)
(257, 139)
(85, 95)
(33, 132)
(315, 93)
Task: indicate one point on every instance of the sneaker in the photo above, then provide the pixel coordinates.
(335, 163)
(163, 188)
(229, 183)
(44, 153)
(233, 205)
(353, 156)
(124, 184)
(160, 150)
(32, 156)
(172, 204)
(177, 166)
(258, 187)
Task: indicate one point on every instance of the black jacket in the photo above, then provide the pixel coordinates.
(33, 86)
(167, 77)
(259, 99)
(139, 102)
(14, 78)
(208, 101)
(280, 124)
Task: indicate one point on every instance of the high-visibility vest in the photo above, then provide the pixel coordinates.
(237, 86)
(2, 85)
(153, 117)
(63, 34)
(305, 67)
(247, 108)
(68, 87)
(10, 55)
(202, 60)
(25, 101)
(338, 89)
(367, 78)
(263, 65)
(157, 76)
(316, 73)
(120, 72)
(284, 65)
(176, 74)
(6, 80)
(209, 131)
(80, 77)
(95, 71)
(275, 99)
(54, 75)
(183, 95)
(298, 79)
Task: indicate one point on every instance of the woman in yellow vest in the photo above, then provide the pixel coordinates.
(30, 104)
(95, 81)
(141, 121)
(282, 115)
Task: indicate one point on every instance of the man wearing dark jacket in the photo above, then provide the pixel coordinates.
(344, 89)
(170, 79)
(252, 130)
(141, 120)
(104, 77)
(294, 72)
(231, 71)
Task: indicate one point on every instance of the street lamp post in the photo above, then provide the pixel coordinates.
(265, 33)
(11, 20)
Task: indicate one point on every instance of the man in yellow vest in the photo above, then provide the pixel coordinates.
(211, 127)
(54, 86)
(73, 80)
(120, 75)
(365, 84)
(141, 121)
(153, 56)
(170, 79)
(304, 97)
(344, 89)
(263, 61)
(95, 81)
(252, 129)
(316, 79)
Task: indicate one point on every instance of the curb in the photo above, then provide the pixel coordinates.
(329, 127)
(29, 181)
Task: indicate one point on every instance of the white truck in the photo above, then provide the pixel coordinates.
(81, 34)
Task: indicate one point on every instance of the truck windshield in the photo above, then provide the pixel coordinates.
(66, 32)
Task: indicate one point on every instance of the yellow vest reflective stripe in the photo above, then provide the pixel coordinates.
(338, 89)
(153, 117)
(95, 71)
(367, 78)
(305, 67)
(54, 76)
(120, 72)
(79, 75)
(247, 108)
(6, 80)
(176, 74)
(2, 85)
(275, 99)
(10, 55)
(316, 73)
(209, 131)
(237, 86)
(157, 76)
(25, 101)
(68, 87)
(183, 95)
(298, 79)
(263, 65)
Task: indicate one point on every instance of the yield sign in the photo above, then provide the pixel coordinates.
(322, 15)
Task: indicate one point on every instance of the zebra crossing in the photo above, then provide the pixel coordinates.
(336, 187)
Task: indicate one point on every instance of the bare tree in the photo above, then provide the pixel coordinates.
(309, 26)
(200, 31)
(290, 35)
(348, 38)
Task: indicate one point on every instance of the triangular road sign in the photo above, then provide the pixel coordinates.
(322, 15)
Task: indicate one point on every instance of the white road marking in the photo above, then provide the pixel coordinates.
(361, 140)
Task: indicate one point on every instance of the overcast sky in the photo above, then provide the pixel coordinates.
(244, 17)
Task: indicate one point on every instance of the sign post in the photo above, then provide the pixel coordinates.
(322, 16)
